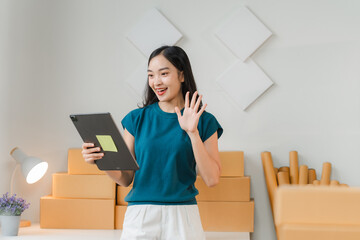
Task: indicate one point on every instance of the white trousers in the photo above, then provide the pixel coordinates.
(162, 222)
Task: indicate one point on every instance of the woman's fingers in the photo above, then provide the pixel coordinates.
(193, 100)
(90, 158)
(187, 99)
(87, 145)
(91, 153)
(91, 150)
(198, 103)
(178, 113)
(202, 109)
(195, 103)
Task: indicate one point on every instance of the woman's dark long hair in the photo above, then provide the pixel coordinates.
(180, 60)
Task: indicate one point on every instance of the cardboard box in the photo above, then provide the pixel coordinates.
(121, 194)
(120, 211)
(77, 213)
(82, 186)
(317, 205)
(77, 164)
(232, 164)
(318, 232)
(230, 189)
(227, 216)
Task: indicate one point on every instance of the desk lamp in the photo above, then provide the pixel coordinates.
(33, 169)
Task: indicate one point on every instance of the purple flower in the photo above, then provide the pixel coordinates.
(13, 205)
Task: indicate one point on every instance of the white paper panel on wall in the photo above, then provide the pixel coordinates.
(243, 33)
(152, 31)
(244, 82)
(137, 80)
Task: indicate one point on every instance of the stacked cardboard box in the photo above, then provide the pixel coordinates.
(82, 198)
(317, 212)
(307, 208)
(121, 205)
(227, 207)
(85, 197)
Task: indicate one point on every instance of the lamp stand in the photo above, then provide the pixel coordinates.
(23, 223)
(12, 179)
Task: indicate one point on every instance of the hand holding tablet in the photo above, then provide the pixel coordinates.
(100, 129)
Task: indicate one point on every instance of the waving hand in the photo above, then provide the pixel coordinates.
(190, 118)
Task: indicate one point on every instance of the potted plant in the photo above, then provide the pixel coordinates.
(11, 209)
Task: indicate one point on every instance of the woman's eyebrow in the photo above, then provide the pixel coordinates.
(164, 68)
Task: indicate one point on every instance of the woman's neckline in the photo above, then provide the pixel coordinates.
(166, 114)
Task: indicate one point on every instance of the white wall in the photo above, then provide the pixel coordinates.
(63, 57)
(4, 104)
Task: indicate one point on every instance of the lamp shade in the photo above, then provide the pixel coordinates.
(32, 168)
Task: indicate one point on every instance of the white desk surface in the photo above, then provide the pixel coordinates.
(34, 232)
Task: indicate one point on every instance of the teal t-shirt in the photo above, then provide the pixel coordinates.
(165, 156)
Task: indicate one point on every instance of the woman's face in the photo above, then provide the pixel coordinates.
(165, 80)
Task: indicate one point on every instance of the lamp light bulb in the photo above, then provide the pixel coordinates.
(37, 172)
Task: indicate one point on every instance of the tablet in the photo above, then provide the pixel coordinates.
(100, 129)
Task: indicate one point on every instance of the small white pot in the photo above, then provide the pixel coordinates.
(10, 225)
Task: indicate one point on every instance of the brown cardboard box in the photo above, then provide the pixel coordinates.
(228, 189)
(227, 216)
(82, 186)
(77, 213)
(119, 216)
(318, 232)
(121, 194)
(77, 164)
(317, 205)
(232, 164)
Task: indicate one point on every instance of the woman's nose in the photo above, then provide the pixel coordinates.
(157, 80)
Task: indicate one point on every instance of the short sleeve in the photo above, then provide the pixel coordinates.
(208, 125)
(130, 121)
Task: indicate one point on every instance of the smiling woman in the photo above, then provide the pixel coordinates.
(172, 138)
(171, 60)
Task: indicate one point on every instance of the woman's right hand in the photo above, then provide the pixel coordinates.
(91, 153)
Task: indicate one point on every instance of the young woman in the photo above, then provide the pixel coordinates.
(172, 139)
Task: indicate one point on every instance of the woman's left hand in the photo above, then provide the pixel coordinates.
(190, 118)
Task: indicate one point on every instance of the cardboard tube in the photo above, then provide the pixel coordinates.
(276, 172)
(334, 183)
(283, 178)
(284, 169)
(270, 177)
(294, 168)
(326, 173)
(316, 182)
(303, 175)
(312, 175)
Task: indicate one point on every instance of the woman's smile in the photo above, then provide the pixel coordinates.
(160, 91)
